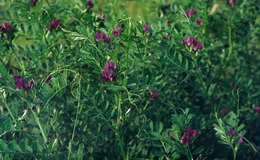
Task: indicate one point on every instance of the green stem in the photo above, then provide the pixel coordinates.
(76, 122)
(40, 126)
(9, 110)
(119, 138)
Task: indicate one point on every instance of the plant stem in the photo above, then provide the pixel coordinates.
(9, 110)
(40, 126)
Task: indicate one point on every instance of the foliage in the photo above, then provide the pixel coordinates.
(129, 79)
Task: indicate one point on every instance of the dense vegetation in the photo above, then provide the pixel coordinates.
(111, 79)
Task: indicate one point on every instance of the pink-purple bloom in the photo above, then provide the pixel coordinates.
(5, 27)
(224, 112)
(146, 27)
(189, 13)
(199, 21)
(100, 36)
(20, 84)
(107, 74)
(185, 139)
(229, 2)
(257, 109)
(196, 46)
(55, 24)
(154, 95)
(171, 138)
(232, 133)
(240, 140)
(89, 5)
(33, 3)
(48, 81)
(116, 32)
(102, 17)
(111, 66)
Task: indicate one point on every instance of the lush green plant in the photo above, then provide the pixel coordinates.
(129, 79)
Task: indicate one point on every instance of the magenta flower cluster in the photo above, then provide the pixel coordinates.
(154, 95)
(20, 84)
(89, 5)
(107, 74)
(5, 27)
(224, 112)
(116, 32)
(100, 36)
(33, 3)
(185, 139)
(55, 24)
(189, 13)
(229, 2)
(192, 42)
(146, 27)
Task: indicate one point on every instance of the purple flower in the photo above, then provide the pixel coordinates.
(102, 17)
(48, 81)
(189, 13)
(224, 112)
(30, 85)
(20, 84)
(190, 41)
(6, 27)
(169, 22)
(89, 5)
(107, 40)
(171, 138)
(257, 109)
(240, 140)
(98, 37)
(154, 95)
(116, 32)
(107, 76)
(196, 45)
(146, 27)
(111, 66)
(199, 21)
(185, 139)
(55, 24)
(232, 133)
(229, 2)
(33, 3)
(184, 42)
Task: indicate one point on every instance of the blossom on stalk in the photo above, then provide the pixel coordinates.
(111, 66)
(257, 109)
(199, 21)
(5, 27)
(230, 2)
(55, 24)
(196, 46)
(116, 32)
(100, 36)
(240, 140)
(224, 112)
(232, 133)
(20, 84)
(48, 81)
(146, 28)
(89, 5)
(33, 3)
(171, 138)
(102, 17)
(154, 95)
(185, 139)
(189, 13)
(107, 74)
